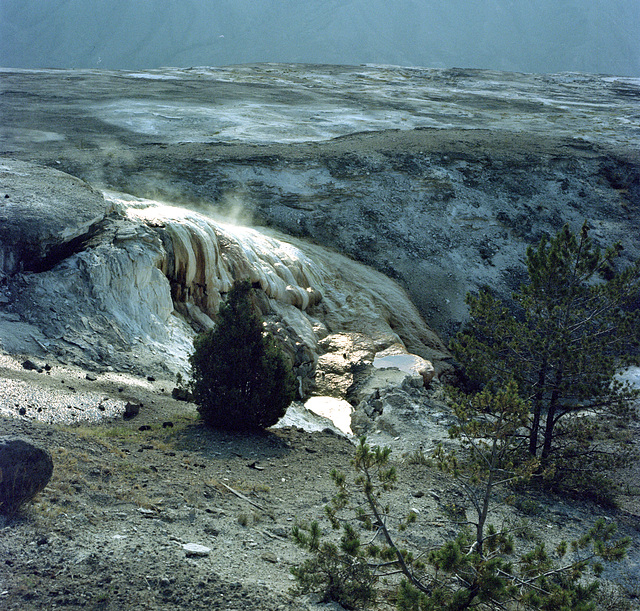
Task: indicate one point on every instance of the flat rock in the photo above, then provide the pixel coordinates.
(196, 550)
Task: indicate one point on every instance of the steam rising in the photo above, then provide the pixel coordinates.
(208, 256)
(313, 290)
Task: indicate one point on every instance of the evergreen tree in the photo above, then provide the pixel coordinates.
(241, 377)
(476, 570)
(574, 328)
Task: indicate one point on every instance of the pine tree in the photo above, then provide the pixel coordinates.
(476, 570)
(241, 377)
(574, 328)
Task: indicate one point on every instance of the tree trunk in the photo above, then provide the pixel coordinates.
(537, 408)
(551, 418)
(484, 510)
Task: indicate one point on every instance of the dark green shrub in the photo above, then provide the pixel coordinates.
(241, 377)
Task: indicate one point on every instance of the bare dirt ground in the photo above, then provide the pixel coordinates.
(110, 529)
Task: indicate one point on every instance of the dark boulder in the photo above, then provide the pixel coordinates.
(29, 365)
(131, 410)
(25, 470)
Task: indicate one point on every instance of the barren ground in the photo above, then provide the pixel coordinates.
(108, 531)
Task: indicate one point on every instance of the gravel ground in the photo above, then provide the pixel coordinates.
(116, 526)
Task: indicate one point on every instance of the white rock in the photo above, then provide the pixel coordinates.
(194, 549)
(336, 410)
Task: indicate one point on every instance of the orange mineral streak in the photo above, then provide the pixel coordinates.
(209, 255)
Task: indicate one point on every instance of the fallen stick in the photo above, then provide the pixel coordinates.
(242, 496)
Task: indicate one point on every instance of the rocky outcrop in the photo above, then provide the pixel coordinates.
(45, 218)
(439, 179)
(395, 409)
(316, 299)
(441, 212)
(107, 305)
(150, 275)
(341, 354)
(25, 470)
(205, 257)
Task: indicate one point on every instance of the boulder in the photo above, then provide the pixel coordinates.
(25, 470)
(43, 213)
(131, 410)
(341, 352)
(404, 415)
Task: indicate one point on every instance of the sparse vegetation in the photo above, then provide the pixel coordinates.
(480, 567)
(418, 457)
(482, 554)
(339, 573)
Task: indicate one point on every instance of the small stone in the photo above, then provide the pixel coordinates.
(195, 550)
(269, 557)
